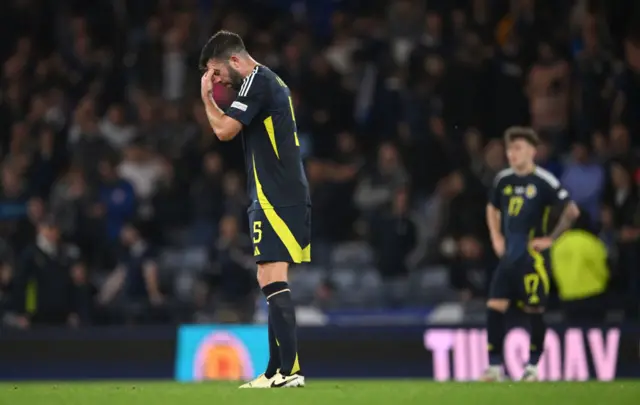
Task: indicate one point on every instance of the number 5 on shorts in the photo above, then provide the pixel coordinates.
(257, 232)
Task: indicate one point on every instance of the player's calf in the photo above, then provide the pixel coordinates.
(496, 331)
(537, 331)
(272, 279)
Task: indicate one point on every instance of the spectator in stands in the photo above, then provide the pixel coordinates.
(626, 106)
(600, 148)
(148, 57)
(142, 169)
(626, 207)
(174, 66)
(20, 140)
(620, 146)
(132, 292)
(149, 118)
(26, 231)
(69, 200)
(235, 197)
(548, 91)
(376, 189)
(87, 146)
(115, 129)
(207, 202)
(13, 202)
(509, 70)
(465, 237)
(84, 293)
(340, 176)
(393, 238)
(169, 205)
(493, 161)
(322, 207)
(545, 158)
(584, 180)
(594, 68)
(473, 143)
(175, 133)
(43, 291)
(327, 101)
(117, 198)
(228, 289)
(44, 164)
(6, 286)
(608, 233)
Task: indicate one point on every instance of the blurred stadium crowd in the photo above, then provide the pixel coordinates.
(401, 106)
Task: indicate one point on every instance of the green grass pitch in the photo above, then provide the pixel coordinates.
(322, 392)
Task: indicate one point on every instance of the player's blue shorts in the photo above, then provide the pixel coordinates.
(524, 281)
(281, 234)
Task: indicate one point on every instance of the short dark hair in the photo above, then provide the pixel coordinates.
(527, 134)
(220, 46)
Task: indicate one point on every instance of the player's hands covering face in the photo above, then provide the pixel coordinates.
(206, 86)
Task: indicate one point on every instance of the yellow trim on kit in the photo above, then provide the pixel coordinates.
(268, 125)
(296, 366)
(298, 254)
(539, 267)
(293, 116)
(545, 220)
(280, 82)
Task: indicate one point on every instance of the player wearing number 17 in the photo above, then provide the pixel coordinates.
(517, 215)
(279, 214)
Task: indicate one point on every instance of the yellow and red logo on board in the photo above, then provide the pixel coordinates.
(222, 356)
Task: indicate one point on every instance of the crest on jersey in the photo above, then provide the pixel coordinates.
(531, 191)
(508, 190)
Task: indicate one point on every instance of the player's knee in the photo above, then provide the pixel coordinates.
(272, 272)
(499, 305)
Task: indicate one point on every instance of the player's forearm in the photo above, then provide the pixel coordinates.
(493, 222)
(568, 217)
(215, 115)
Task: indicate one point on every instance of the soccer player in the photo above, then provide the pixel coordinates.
(279, 214)
(517, 215)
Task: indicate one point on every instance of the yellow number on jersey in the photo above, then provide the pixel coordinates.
(515, 205)
(531, 283)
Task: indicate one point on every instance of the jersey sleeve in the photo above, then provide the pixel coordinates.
(556, 194)
(250, 99)
(494, 192)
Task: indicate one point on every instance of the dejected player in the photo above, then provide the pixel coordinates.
(517, 216)
(279, 214)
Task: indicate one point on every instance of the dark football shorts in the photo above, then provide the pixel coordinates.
(524, 281)
(281, 234)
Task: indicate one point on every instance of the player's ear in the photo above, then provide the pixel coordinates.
(234, 60)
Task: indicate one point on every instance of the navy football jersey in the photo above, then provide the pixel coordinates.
(524, 203)
(275, 174)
